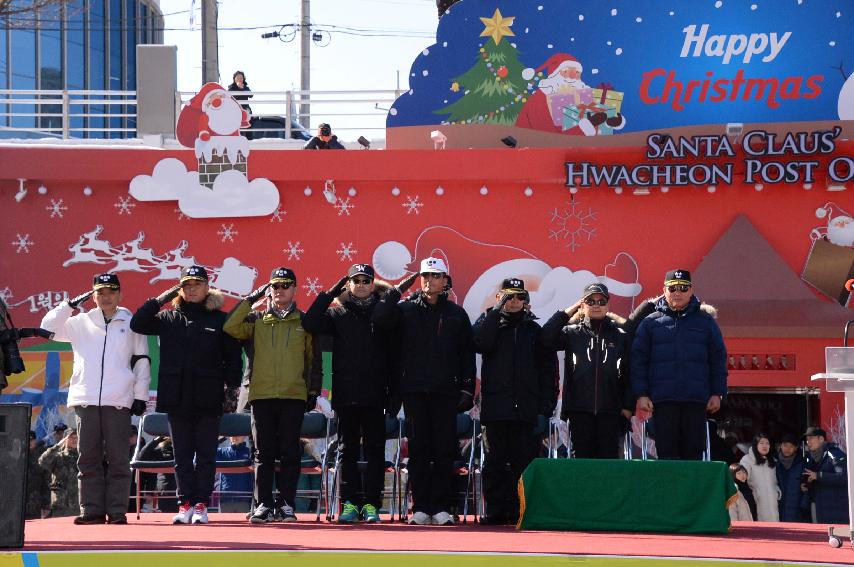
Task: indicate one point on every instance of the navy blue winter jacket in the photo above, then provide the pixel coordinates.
(679, 356)
(792, 497)
(829, 492)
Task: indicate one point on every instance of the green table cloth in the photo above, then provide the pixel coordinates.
(688, 497)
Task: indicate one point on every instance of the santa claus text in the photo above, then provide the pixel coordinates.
(661, 86)
(757, 146)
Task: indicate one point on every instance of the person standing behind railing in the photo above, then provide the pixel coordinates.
(239, 85)
(324, 140)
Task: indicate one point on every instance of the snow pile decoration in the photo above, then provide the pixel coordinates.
(210, 124)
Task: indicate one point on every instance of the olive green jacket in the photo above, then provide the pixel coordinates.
(281, 354)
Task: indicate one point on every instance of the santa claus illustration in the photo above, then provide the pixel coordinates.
(564, 74)
(212, 112)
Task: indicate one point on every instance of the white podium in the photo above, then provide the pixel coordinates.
(839, 377)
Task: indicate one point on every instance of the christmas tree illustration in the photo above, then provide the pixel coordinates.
(495, 87)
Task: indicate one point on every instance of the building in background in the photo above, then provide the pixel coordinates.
(82, 45)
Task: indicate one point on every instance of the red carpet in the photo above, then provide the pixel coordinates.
(748, 541)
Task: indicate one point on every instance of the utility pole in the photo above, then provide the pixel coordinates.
(305, 63)
(210, 43)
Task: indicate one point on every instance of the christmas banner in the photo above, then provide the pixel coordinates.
(576, 69)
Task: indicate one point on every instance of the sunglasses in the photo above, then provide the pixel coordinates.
(282, 285)
(433, 275)
(599, 302)
(362, 281)
(683, 288)
(519, 296)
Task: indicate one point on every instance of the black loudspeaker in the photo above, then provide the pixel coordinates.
(14, 450)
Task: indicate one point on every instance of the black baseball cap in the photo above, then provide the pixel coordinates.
(360, 270)
(513, 285)
(198, 273)
(109, 281)
(677, 277)
(594, 288)
(283, 275)
(59, 427)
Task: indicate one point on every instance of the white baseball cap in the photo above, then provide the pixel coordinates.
(433, 265)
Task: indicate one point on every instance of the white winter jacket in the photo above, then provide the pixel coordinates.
(762, 480)
(102, 374)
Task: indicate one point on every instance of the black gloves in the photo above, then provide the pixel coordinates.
(137, 407)
(406, 284)
(258, 293)
(466, 402)
(229, 405)
(168, 295)
(75, 302)
(311, 402)
(336, 290)
(505, 297)
(15, 334)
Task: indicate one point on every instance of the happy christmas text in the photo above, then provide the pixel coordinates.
(793, 161)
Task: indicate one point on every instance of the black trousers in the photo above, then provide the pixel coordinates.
(595, 436)
(276, 426)
(680, 430)
(361, 426)
(432, 446)
(194, 442)
(512, 446)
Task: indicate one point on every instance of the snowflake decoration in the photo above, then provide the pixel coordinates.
(346, 252)
(56, 207)
(344, 206)
(22, 243)
(412, 205)
(181, 215)
(227, 233)
(6, 294)
(312, 286)
(293, 250)
(124, 205)
(572, 225)
(278, 215)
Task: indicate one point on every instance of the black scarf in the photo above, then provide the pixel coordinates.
(748, 495)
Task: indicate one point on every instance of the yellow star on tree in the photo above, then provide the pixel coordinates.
(497, 26)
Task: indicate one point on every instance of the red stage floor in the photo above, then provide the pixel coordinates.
(231, 532)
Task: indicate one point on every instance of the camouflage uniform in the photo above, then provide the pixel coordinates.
(38, 487)
(61, 463)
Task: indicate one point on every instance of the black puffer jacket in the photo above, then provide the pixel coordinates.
(596, 364)
(362, 354)
(518, 377)
(197, 359)
(437, 353)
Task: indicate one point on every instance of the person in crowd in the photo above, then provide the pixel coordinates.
(718, 446)
(436, 381)
(60, 462)
(324, 140)
(240, 90)
(57, 435)
(200, 371)
(362, 362)
(518, 387)
(162, 485)
(596, 389)
(285, 383)
(760, 464)
(235, 488)
(744, 507)
(825, 479)
(679, 376)
(109, 382)
(790, 469)
(38, 485)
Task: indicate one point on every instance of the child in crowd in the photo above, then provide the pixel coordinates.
(744, 507)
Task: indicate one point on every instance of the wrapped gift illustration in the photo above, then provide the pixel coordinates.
(567, 97)
(572, 114)
(605, 94)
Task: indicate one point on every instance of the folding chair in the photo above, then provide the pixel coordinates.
(393, 430)
(154, 425)
(316, 425)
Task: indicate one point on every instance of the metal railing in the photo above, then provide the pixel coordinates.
(100, 114)
(64, 114)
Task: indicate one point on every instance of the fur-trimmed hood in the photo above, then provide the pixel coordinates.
(381, 287)
(693, 304)
(215, 300)
(579, 317)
